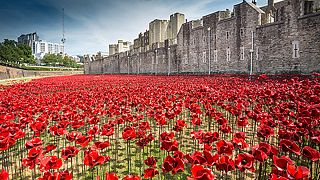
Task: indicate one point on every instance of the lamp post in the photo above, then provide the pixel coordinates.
(169, 62)
(128, 65)
(209, 50)
(156, 63)
(251, 52)
(139, 64)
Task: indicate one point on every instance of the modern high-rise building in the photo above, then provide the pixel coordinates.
(28, 39)
(40, 47)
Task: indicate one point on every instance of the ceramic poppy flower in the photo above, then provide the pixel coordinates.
(210, 159)
(50, 162)
(151, 161)
(196, 158)
(201, 173)
(83, 140)
(242, 121)
(224, 147)
(101, 145)
(311, 153)
(69, 152)
(49, 148)
(169, 145)
(128, 133)
(172, 164)
(93, 158)
(281, 163)
(94, 130)
(66, 175)
(225, 164)
(166, 136)
(245, 161)
(34, 156)
(111, 176)
(225, 128)
(35, 142)
(300, 172)
(180, 124)
(265, 131)
(290, 146)
(131, 177)
(4, 175)
(150, 173)
(72, 136)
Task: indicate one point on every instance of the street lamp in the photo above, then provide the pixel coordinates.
(209, 59)
(156, 63)
(128, 65)
(251, 52)
(169, 62)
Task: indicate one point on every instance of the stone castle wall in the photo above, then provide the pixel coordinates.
(291, 44)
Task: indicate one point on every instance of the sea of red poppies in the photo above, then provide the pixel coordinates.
(159, 127)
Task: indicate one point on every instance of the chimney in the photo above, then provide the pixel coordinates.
(271, 7)
(271, 3)
(254, 2)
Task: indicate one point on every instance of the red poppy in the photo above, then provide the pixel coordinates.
(83, 140)
(196, 158)
(34, 156)
(239, 143)
(172, 164)
(169, 145)
(111, 176)
(92, 158)
(128, 133)
(5, 140)
(131, 177)
(50, 162)
(151, 161)
(178, 154)
(107, 131)
(281, 163)
(225, 164)
(166, 136)
(245, 161)
(56, 131)
(36, 142)
(299, 172)
(101, 145)
(72, 136)
(263, 150)
(180, 124)
(210, 159)
(265, 131)
(242, 121)
(49, 148)
(150, 173)
(93, 131)
(4, 175)
(290, 146)
(224, 147)
(225, 128)
(310, 153)
(201, 173)
(69, 152)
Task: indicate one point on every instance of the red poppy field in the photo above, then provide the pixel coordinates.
(159, 127)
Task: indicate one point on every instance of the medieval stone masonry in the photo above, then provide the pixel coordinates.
(282, 37)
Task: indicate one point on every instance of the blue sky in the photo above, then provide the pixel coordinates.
(90, 25)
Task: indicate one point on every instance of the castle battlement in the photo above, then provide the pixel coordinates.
(282, 37)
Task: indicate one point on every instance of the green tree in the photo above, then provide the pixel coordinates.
(12, 53)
